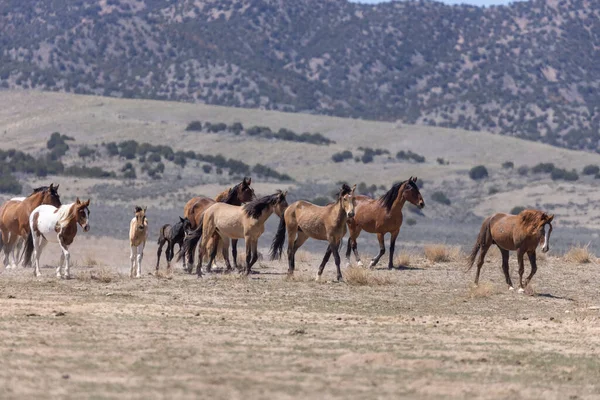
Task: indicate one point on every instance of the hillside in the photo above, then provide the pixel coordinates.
(27, 118)
(525, 70)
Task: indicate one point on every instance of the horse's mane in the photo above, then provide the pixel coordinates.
(255, 208)
(138, 209)
(530, 219)
(387, 200)
(40, 189)
(223, 195)
(64, 214)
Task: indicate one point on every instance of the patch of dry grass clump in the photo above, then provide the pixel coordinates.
(403, 259)
(358, 276)
(580, 255)
(441, 253)
(483, 290)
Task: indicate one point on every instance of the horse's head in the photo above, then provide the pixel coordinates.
(82, 213)
(545, 231)
(347, 199)
(187, 226)
(280, 203)
(245, 192)
(50, 195)
(141, 222)
(412, 194)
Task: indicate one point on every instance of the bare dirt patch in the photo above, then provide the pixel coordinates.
(426, 333)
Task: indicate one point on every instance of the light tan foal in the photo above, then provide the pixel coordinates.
(138, 233)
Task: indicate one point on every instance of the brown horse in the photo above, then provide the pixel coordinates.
(234, 222)
(303, 220)
(14, 217)
(523, 233)
(237, 195)
(382, 216)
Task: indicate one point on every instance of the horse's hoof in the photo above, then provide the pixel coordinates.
(511, 288)
(348, 265)
(521, 290)
(359, 263)
(318, 278)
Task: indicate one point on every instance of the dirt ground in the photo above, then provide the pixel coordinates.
(416, 332)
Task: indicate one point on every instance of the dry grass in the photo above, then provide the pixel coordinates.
(357, 276)
(303, 256)
(441, 253)
(483, 290)
(579, 255)
(103, 275)
(404, 259)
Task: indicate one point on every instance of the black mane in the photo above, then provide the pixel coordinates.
(387, 200)
(256, 207)
(40, 189)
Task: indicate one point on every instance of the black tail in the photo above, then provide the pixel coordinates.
(481, 239)
(278, 241)
(28, 252)
(161, 234)
(191, 241)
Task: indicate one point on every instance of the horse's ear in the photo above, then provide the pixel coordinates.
(414, 179)
(284, 193)
(145, 208)
(56, 187)
(77, 201)
(247, 181)
(87, 203)
(353, 189)
(549, 218)
(181, 219)
(51, 185)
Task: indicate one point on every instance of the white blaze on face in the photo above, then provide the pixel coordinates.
(546, 244)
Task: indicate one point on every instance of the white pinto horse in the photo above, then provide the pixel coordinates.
(58, 225)
(138, 233)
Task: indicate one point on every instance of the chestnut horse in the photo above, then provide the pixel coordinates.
(523, 233)
(236, 222)
(303, 220)
(14, 217)
(382, 216)
(59, 225)
(138, 233)
(237, 195)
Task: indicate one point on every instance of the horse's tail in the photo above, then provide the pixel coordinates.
(28, 252)
(161, 234)
(191, 241)
(484, 233)
(278, 241)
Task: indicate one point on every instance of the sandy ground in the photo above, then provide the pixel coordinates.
(416, 332)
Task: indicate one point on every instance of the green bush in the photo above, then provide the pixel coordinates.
(591, 170)
(523, 170)
(440, 197)
(207, 168)
(409, 155)
(411, 221)
(86, 172)
(86, 152)
(493, 190)
(508, 165)
(194, 126)
(340, 157)
(563, 174)
(546, 168)
(112, 148)
(320, 201)
(9, 184)
(236, 128)
(478, 172)
(517, 210)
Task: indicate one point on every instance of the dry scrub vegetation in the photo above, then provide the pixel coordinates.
(580, 255)
(439, 253)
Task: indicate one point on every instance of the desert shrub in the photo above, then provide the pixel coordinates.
(563, 174)
(580, 254)
(523, 170)
(154, 157)
(129, 174)
(112, 148)
(9, 184)
(87, 172)
(128, 149)
(367, 157)
(411, 221)
(267, 172)
(493, 190)
(194, 126)
(236, 128)
(441, 161)
(320, 201)
(341, 156)
(441, 252)
(508, 165)
(478, 172)
(591, 170)
(440, 197)
(207, 168)
(180, 160)
(517, 210)
(257, 130)
(409, 155)
(543, 168)
(358, 276)
(214, 128)
(86, 152)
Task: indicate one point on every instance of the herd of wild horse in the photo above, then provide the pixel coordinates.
(237, 213)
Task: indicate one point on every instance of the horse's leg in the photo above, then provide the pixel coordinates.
(140, 256)
(336, 256)
(292, 231)
(253, 245)
(533, 262)
(132, 259)
(169, 253)
(225, 253)
(381, 250)
(234, 243)
(38, 245)
(323, 263)
(66, 274)
(505, 268)
(300, 239)
(12, 262)
(392, 248)
(520, 254)
(213, 254)
(482, 252)
(159, 252)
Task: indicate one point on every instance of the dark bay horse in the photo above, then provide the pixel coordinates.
(236, 222)
(14, 219)
(303, 220)
(172, 235)
(381, 216)
(237, 195)
(521, 233)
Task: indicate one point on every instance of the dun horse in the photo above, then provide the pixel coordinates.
(303, 220)
(14, 218)
(521, 233)
(382, 216)
(59, 225)
(236, 196)
(234, 222)
(138, 233)
(172, 235)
